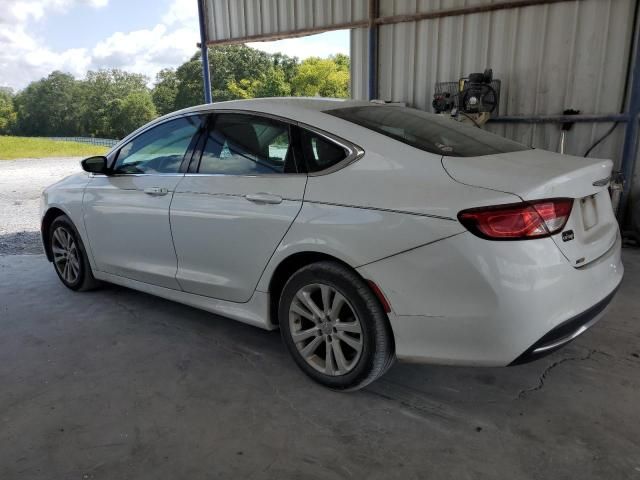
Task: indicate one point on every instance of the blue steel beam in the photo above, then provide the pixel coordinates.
(204, 52)
(373, 50)
(373, 57)
(588, 118)
(630, 149)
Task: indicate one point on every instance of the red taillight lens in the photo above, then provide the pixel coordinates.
(518, 221)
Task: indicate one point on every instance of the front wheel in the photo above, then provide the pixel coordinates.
(69, 255)
(334, 326)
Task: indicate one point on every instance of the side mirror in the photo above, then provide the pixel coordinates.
(97, 164)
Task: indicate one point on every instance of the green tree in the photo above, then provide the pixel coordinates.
(324, 77)
(50, 106)
(131, 112)
(7, 111)
(288, 65)
(165, 91)
(245, 88)
(233, 63)
(237, 71)
(272, 83)
(103, 93)
(342, 61)
(189, 90)
(111, 103)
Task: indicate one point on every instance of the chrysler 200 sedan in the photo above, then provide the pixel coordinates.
(364, 232)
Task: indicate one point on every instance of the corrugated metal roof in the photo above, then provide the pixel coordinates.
(236, 19)
(549, 58)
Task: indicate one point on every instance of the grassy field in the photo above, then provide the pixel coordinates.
(25, 147)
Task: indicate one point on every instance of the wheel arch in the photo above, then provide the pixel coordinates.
(294, 262)
(287, 267)
(48, 218)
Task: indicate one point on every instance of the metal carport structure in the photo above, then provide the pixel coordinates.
(551, 54)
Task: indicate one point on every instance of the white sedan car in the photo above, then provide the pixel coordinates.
(364, 232)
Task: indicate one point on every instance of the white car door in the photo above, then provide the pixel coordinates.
(230, 214)
(126, 213)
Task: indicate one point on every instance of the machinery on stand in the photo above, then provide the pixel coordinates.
(473, 99)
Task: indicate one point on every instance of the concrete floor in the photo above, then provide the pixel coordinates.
(117, 384)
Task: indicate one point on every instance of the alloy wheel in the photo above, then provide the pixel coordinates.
(325, 329)
(66, 256)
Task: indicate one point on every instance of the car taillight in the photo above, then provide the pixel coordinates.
(518, 221)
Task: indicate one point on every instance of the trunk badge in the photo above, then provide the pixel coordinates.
(567, 236)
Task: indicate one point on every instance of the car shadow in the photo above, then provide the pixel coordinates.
(415, 385)
(426, 389)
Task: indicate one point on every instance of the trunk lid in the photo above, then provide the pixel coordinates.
(592, 228)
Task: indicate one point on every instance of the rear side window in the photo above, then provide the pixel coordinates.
(241, 144)
(427, 131)
(319, 152)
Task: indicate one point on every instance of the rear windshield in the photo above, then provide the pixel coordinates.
(427, 131)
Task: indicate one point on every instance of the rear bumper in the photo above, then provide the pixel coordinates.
(468, 301)
(565, 333)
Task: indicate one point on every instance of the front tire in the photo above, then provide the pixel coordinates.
(334, 326)
(69, 255)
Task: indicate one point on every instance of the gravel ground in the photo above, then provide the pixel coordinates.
(21, 183)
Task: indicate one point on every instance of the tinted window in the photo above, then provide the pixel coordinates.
(160, 149)
(239, 144)
(427, 131)
(320, 153)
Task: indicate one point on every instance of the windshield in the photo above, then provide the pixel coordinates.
(427, 131)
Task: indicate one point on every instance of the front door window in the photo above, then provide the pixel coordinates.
(160, 149)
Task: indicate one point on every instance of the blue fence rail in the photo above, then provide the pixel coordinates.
(103, 142)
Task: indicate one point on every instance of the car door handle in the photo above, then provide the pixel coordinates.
(263, 198)
(156, 191)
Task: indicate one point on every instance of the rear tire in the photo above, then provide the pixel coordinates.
(334, 326)
(70, 259)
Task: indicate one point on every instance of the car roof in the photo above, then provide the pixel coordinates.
(315, 104)
(294, 108)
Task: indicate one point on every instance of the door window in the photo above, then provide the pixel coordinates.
(240, 144)
(160, 149)
(319, 152)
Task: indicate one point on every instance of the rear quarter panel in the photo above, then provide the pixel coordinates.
(356, 236)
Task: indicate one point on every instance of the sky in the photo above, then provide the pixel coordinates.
(39, 36)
